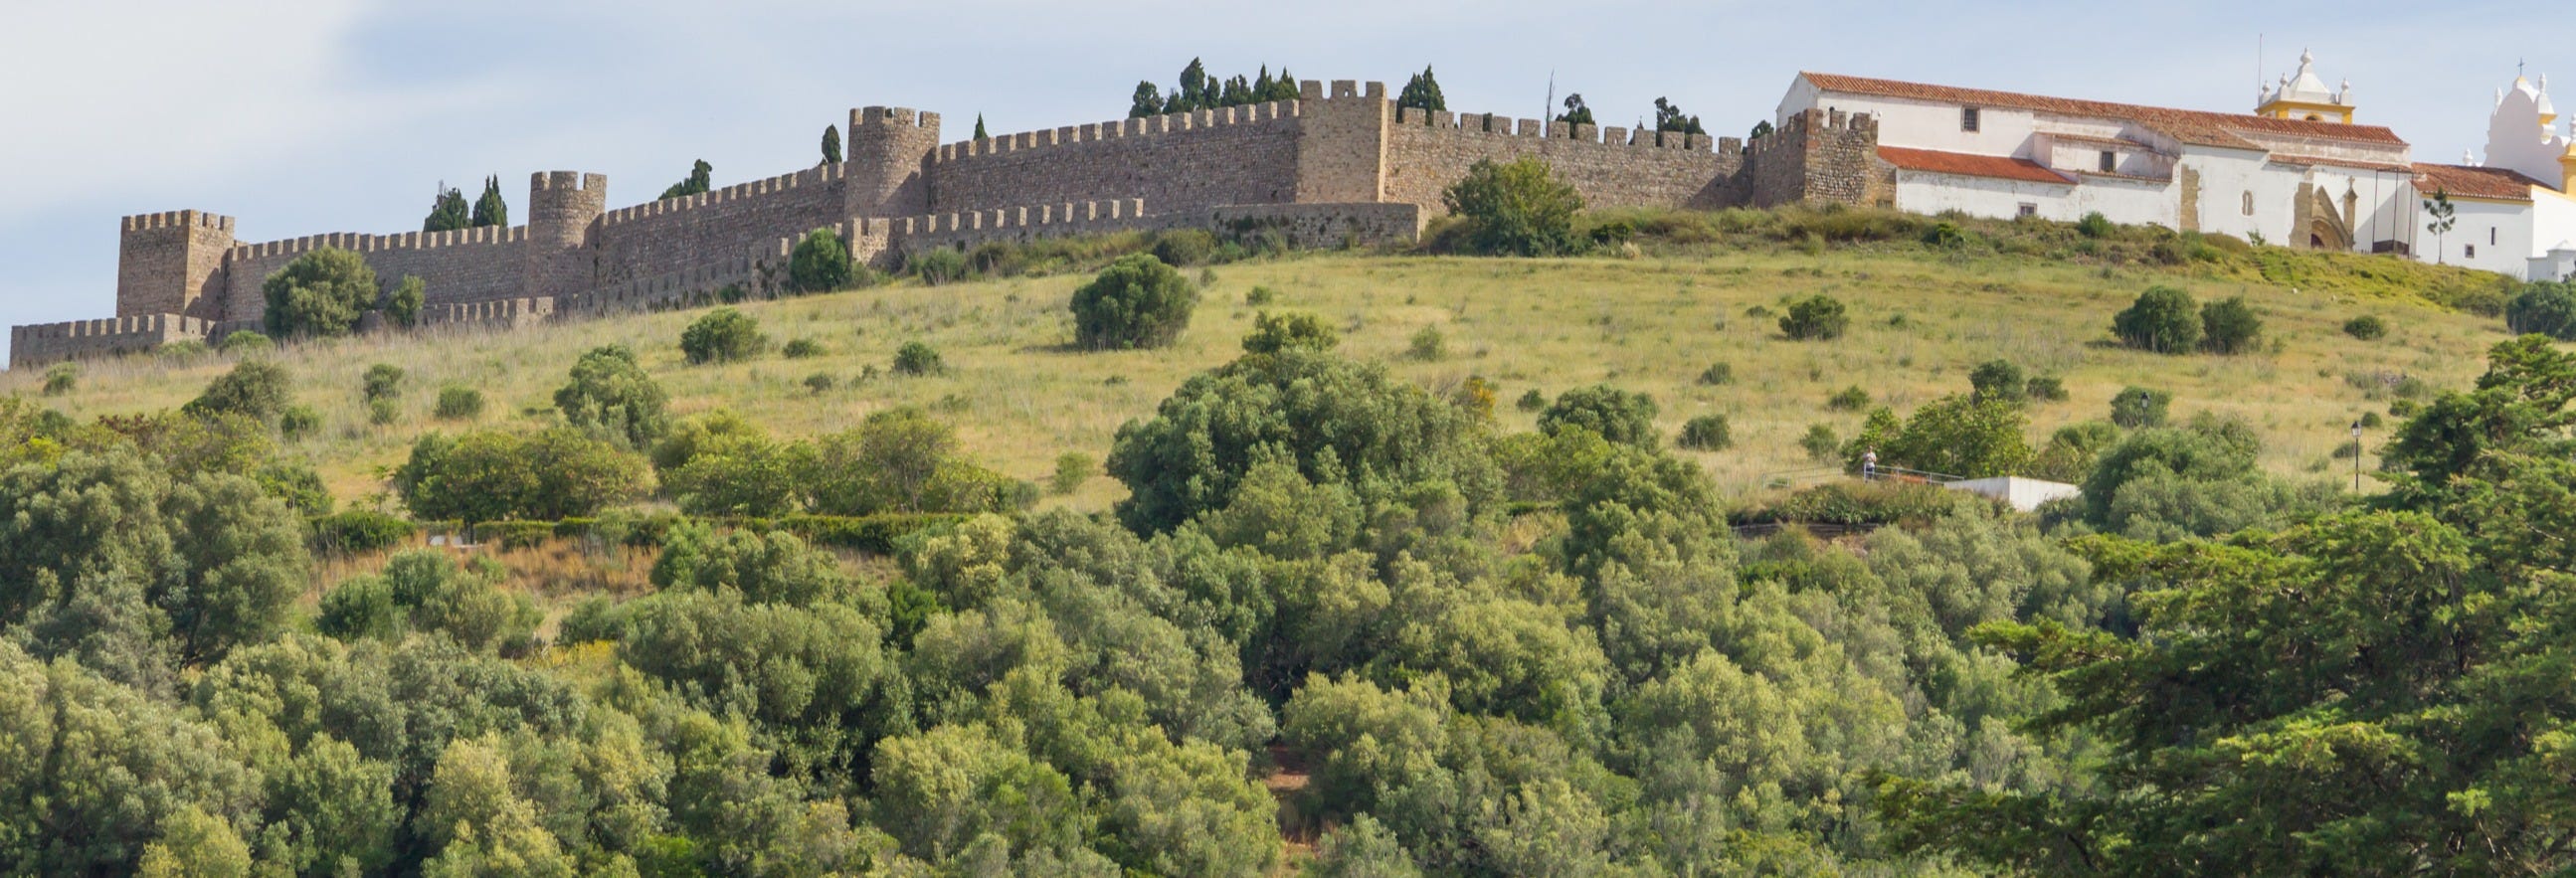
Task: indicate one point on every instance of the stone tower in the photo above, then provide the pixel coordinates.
(888, 147)
(173, 263)
(562, 207)
(1341, 143)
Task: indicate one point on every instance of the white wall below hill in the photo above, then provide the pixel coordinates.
(2128, 202)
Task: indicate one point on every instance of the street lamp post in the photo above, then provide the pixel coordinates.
(2356, 457)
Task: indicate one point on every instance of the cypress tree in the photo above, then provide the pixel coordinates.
(491, 209)
(1422, 92)
(979, 128)
(700, 176)
(831, 144)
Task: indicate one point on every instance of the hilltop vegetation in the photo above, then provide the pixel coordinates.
(1335, 607)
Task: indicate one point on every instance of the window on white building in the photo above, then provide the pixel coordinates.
(2029, 210)
(2249, 203)
(1967, 118)
(2472, 251)
(2491, 236)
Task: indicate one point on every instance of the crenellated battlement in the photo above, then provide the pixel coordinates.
(178, 219)
(1142, 126)
(1338, 163)
(363, 243)
(819, 176)
(43, 343)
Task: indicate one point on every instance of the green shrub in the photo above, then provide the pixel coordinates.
(2137, 407)
(2094, 225)
(360, 530)
(2365, 327)
(820, 263)
(1427, 345)
(722, 336)
(1886, 501)
(1999, 380)
(1817, 317)
(382, 381)
(1259, 296)
(917, 358)
(2371, 420)
(1945, 235)
(2163, 319)
(609, 393)
(459, 403)
(2544, 308)
(1611, 234)
(2046, 389)
(255, 389)
(1295, 329)
(493, 475)
(1609, 412)
(1179, 247)
(1717, 374)
(299, 421)
(1137, 302)
(1531, 400)
(402, 301)
(2230, 326)
(2068, 456)
(1515, 209)
(1849, 399)
(937, 265)
(1706, 433)
(61, 378)
(801, 349)
(381, 411)
(820, 382)
(319, 294)
(1820, 443)
(243, 342)
(1072, 468)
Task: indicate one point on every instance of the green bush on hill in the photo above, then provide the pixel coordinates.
(319, 294)
(1516, 208)
(2164, 320)
(1137, 302)
(490, 475)
(1819, 318)
(724, 335)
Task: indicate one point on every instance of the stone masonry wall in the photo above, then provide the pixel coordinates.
(1180, 161)
(466, 265)
(1612, 167)
(1817, 158)
(31, 346)
(675, 235)
(172, 263)
(1335, 166)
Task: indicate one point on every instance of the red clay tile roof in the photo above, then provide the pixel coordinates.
(1965, 165)
(2467, 182)
(2189, 126)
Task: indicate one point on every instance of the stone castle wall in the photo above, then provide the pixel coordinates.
(1179, 162)
(172, 263)
(31, 346)
(465, 265)
(1817, 158)
(1611, 167)
(1339, 164)
(674, 235)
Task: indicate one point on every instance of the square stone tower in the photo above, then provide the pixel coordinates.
(173, 263)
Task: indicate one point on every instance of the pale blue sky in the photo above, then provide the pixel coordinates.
(303, 116)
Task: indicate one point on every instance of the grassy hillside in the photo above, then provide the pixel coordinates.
(1696, 294)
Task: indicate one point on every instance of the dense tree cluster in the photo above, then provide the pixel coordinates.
(1468, 651)
(1201, 90)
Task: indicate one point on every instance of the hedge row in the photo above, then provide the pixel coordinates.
(363, 531)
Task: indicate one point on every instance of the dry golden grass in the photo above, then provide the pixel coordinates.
(1020, 396)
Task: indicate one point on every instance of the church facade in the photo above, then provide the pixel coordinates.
(2298, 170)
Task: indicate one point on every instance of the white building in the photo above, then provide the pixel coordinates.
(2297, 171)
